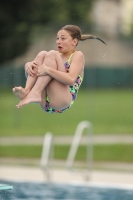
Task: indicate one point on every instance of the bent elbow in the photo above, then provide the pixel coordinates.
(71, 82)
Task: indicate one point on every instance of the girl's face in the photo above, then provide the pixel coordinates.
(65, 42)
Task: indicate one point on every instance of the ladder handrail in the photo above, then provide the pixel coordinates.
(75, 143)
(47, 153)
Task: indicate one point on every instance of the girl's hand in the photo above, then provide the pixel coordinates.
(31, 68)
(42, 70)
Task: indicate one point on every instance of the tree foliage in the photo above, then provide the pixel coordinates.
(17, 19)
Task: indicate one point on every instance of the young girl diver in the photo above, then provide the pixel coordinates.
(54, 77)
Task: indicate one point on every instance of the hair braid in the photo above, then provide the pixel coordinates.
(85, 37)
(75, 32)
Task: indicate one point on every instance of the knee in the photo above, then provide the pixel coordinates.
(51, 53)
(41, 54)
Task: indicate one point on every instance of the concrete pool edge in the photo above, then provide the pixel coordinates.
(98, 177)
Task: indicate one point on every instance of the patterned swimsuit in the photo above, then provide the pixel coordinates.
(73, 90)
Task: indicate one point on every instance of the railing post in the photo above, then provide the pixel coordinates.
(75, 143)
(47, 154)
(89, 151)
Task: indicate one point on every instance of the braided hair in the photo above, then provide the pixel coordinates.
(75, 32)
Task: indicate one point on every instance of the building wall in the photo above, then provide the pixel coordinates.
(126, 16)
(113, 16)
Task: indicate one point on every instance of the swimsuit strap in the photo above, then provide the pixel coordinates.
(80, 77)
(70, 58)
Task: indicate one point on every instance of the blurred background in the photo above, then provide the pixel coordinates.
(105, 98)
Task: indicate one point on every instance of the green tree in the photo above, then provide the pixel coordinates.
(17, 19)
(15, 28)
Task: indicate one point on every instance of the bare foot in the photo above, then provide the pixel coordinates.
(20, 92)
(30, 98)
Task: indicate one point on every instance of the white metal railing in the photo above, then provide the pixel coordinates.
(47, 154)
(75, 143)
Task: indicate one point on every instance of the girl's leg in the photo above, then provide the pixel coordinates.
(58, 93)
(35, 94)
(21, 92)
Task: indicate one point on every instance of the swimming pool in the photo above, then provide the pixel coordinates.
(40, 191)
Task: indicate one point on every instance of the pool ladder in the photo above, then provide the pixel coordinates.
(47, 155)
(75, 144)
(47, 152)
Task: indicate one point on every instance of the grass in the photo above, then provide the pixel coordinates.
(109, 110)
(110, 153)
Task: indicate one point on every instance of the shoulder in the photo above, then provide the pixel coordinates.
(79, 53)
(78, 61)
(79, 56)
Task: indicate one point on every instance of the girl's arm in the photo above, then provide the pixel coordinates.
(30, 68)
(76, 68)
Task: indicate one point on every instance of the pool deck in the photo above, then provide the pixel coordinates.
(59, 175)
(107, 174)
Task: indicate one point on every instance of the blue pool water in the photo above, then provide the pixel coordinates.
(40, 191)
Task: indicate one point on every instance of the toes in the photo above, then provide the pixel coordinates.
(19, 105)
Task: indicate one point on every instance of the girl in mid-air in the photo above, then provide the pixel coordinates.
(54, 77)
